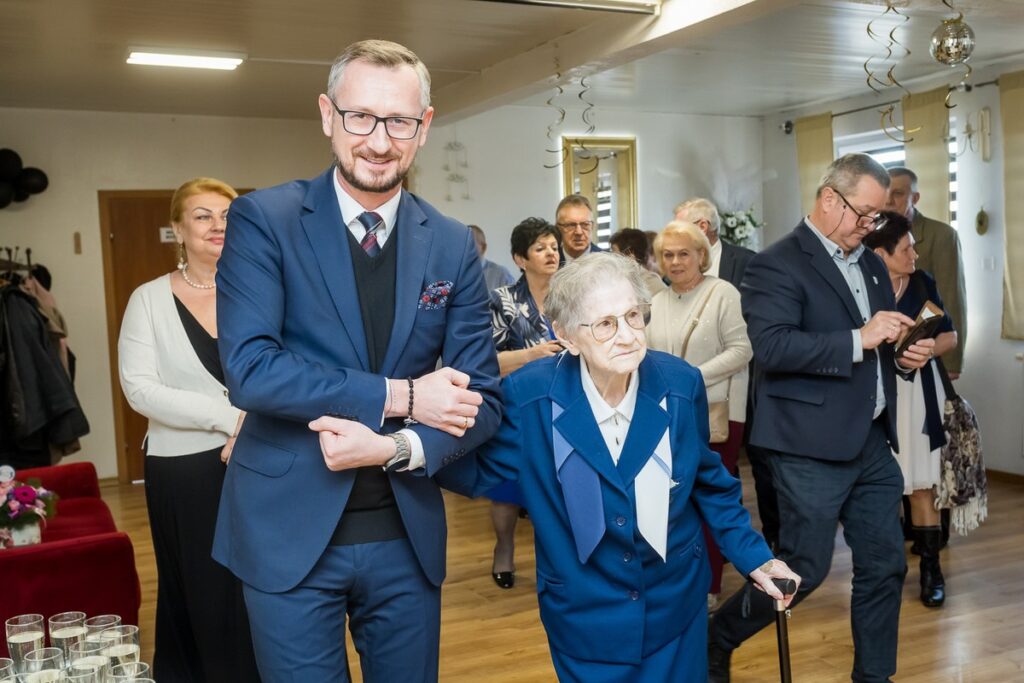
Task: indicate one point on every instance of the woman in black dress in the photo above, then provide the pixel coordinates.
(171, 373)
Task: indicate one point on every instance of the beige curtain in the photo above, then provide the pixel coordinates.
(928, 149)
(814, 152)
(1011, 105)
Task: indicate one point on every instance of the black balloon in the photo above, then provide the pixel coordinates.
(6, 194)
(20, 196)
(31, 180)
(10, 165)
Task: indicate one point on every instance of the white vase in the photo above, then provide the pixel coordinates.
(29, 534)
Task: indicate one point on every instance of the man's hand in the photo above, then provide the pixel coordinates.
(441, 400)
(346, 444)
(884, 326)
(917, 354)
(774, 569)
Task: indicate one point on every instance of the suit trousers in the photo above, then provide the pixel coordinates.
(394, 614)
(814, 497)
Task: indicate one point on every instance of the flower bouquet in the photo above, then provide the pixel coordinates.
(739, 228)
(24, 508)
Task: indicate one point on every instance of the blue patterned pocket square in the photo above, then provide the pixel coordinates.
(435, 295)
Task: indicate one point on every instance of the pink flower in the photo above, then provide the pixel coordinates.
(25, 494)
(13, 505)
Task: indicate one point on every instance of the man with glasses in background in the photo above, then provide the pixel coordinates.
(575, 220)
(336, 299)
(821, 317)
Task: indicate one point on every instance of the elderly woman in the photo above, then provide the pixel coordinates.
(609, 443)
(920, 401)
(522, 334)
(171, 374)
(632, 242)
(698, 318)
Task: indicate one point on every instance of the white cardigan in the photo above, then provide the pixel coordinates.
(164, 380)
(718, 347)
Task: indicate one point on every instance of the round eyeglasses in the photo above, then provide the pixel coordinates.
(605, 328)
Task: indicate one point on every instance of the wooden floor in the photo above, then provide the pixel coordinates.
(495, 636)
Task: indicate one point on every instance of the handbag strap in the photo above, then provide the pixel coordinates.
(947, 384)
(696, 319)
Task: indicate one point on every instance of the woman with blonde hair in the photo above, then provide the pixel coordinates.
(698, 319)
(171, 373)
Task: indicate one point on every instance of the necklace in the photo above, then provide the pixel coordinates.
(189, 282)
(899, 290)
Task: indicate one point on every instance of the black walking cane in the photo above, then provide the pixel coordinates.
(787, 587)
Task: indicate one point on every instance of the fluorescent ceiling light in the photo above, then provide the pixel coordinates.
(630, 6)
(226, 61)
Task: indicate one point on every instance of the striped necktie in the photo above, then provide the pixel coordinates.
(372, 222)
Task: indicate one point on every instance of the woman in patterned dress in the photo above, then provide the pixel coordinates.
(521, 334)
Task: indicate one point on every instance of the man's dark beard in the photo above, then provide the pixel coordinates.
(383, 185)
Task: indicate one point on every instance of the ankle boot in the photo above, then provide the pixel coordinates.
(933, 585)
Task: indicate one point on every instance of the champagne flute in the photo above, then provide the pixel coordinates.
(85, 673)
(45, 665)
(24, 634)
(67, 628)
(6, 670)
(96, 625)
(87, 655)
(129, 671)
(122, 644)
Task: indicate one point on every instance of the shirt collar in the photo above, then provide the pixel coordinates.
(351, 209)
(602, 411)
(716, 248)
(833, 249)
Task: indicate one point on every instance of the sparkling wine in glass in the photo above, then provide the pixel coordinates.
(45, 665)
(67, 628)
(129, 672)
(94, 626)
(6, 670)
(122, 644)
(87, 655)
(24, 634)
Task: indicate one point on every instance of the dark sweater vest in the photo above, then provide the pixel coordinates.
(371, 514)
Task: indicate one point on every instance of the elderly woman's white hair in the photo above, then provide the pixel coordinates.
(571, 286)
(697, 209)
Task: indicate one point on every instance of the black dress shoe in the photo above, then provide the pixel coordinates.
(505, 580)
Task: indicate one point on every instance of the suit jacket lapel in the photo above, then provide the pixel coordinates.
(413, 251)
(329, 245)
(648, 424)
(576, 424)
(822, 262)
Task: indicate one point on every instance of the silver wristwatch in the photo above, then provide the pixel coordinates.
(403, 452)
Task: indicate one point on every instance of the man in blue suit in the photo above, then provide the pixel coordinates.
(337, 297)
(821, 317)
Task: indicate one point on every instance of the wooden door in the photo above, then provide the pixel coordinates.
(134, 252)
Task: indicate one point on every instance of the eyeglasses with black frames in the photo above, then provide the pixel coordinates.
(605, 328)
(362, 123)
(876, 222)
(579, 225)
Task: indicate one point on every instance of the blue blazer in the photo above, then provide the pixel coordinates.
(624, 602)
(293, 348)
(810, 398)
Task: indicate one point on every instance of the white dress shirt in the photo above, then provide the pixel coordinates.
(716, 258)
(388, 212)
(653, 482)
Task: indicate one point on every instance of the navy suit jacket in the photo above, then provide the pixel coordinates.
(733, 264)
(625, 602)
(293, 348)
(593, 249)
(810, 398)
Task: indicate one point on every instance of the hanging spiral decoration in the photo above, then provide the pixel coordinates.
(892, 47)
(952, 44)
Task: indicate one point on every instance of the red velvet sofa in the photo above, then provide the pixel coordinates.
(84, 563)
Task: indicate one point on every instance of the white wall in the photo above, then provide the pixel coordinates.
(83, 152)
(993, 379)
(678, 157)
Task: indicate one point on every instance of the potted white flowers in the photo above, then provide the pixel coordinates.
(740, 228)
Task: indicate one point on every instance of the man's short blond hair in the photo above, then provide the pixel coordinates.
(379, 53)
(698, 209)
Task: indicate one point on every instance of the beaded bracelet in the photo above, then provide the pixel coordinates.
(409, 420)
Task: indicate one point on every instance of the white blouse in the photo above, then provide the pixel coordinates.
(718, 347)
(164, 380)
